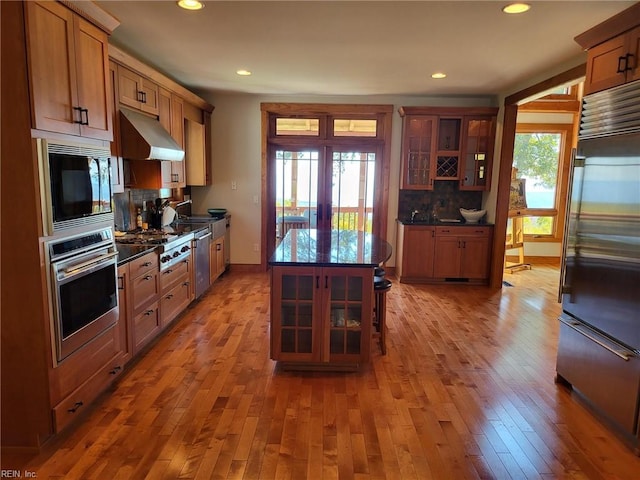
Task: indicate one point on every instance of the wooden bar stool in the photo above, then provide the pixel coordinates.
(380, 288)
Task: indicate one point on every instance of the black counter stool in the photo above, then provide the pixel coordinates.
(380, 288)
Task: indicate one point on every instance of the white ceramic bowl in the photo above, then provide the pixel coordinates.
(472, 216)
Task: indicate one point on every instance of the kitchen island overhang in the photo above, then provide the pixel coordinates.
(322, 298)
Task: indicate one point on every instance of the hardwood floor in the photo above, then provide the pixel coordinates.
(466, 390)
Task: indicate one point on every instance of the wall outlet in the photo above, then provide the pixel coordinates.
(234, 185)
(256, 247)
(255, 199)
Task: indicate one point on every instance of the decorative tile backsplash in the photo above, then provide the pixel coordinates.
(445, 197)
(126, 206)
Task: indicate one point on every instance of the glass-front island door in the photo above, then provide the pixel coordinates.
(321, 315)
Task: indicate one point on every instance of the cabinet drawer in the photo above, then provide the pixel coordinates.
(463, 231)
(69, 408)
(82, 364)
(171, 276)
(144, 289)
(175, 300)
(143, 264)
(146, 325)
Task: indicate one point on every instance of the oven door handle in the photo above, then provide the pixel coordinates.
(86, 266)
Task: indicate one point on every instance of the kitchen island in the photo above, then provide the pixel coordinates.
(322, 298)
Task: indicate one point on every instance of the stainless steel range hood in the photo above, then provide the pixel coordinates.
(144, 138)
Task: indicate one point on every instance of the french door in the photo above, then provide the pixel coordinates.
(326, 187)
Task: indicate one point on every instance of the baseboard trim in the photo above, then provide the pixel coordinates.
(245, 268)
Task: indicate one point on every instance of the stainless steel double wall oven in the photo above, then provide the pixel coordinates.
(80, 252)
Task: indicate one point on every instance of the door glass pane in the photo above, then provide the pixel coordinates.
(355, 289)
(338, 288)
(304, 315)
(288, 315)
(304, 341)
(296, 190)
(352, 191)
(336, 341)
(288, 339)
(354, 314)
(353, 342)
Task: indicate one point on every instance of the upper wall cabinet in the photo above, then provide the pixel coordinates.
(447, 144)
(613, 62)
(613, 50)
(171, 117)
(136, 91)
(476, 158)
(68, 72)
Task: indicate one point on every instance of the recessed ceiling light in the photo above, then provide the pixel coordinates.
(191, 4)
(516, 8)
(244, 73)
(438, 75)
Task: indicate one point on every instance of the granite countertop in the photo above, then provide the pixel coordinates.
(128, 252)
(346, 248)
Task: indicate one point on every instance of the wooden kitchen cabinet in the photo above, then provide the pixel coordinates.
(145, 306)
(137, 91)
(418, 152)
(613, 62)
(217, 258)
(476, 157)
(176, 288)
(68, 72)
(117, 163)
(124, 304)
(442, 143)
(321, 315)
(415, 254)
(171, 117)
(195, 153)
(462, 253)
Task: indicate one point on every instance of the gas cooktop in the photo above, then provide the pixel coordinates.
(154, 237)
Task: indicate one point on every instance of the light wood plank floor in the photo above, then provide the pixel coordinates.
(466, 390)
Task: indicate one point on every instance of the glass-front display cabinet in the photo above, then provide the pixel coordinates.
(321, 315)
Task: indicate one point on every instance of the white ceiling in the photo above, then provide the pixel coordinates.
(355, 47)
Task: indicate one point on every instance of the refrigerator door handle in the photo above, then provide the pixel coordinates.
(624, 354)
(576, 162)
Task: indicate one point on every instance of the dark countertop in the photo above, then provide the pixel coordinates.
(128, 252)
(438, 223)
(346, 248)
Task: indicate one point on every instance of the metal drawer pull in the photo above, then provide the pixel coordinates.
(75, 408)
(169, 297)
(148, 312)
(147, 264)
(115, 370)
(584, 331)
(147, 277)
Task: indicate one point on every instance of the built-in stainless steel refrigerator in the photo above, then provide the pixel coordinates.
(599, 344)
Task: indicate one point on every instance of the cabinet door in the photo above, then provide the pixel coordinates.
(417, 260)
(418, 152)
(129, 87)
(52, 69)
(195, 157)
(137, 92)
(123, 305)
(448, 148)
(92, 68)
(633, 49)
(296, 325)
(447, 257)
(477, 153)
(603, 65)
(475, 257)
(348, 314)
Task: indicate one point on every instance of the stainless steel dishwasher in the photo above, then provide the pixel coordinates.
(201, 247)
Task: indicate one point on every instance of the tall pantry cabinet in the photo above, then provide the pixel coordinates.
(55, 66)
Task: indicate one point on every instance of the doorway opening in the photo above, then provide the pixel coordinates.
(326, 168)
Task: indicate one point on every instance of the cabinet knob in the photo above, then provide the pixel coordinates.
(115, 370)
(147, 277)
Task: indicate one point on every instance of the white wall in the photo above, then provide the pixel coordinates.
(236, 151)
